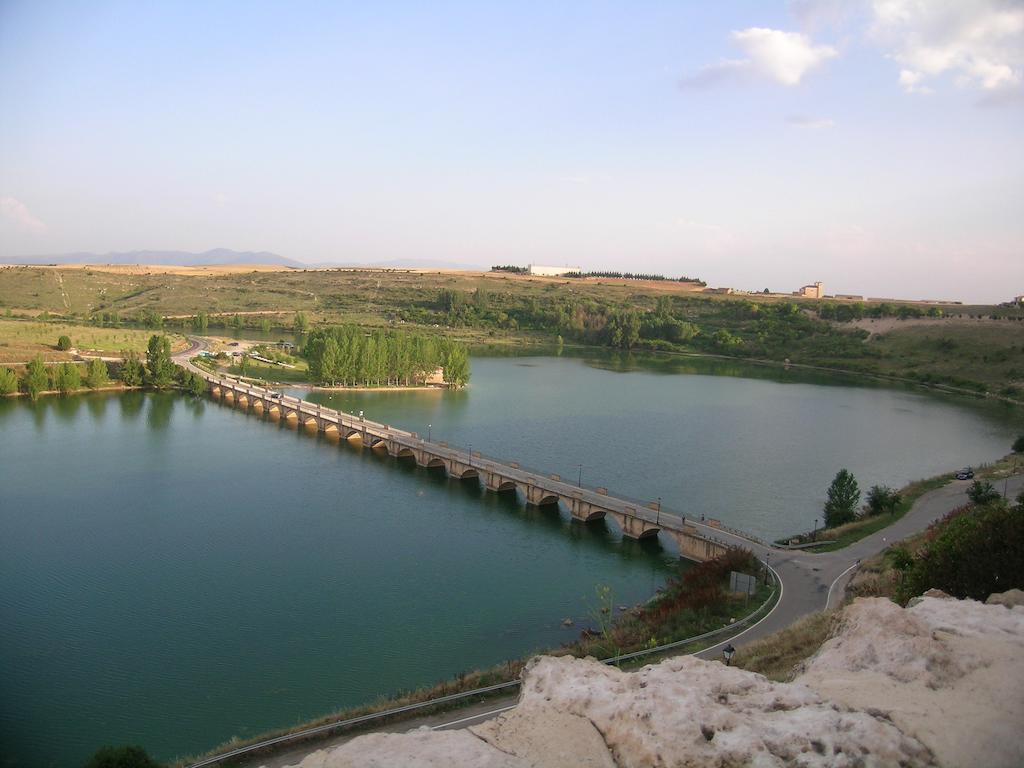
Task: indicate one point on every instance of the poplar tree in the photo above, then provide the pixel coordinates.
(36, 377)
(158, 362)
(8, 381)
(67, 378)
(131, 370)
(96, 375)
(842, 499)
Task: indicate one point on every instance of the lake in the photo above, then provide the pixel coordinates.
(176, 572)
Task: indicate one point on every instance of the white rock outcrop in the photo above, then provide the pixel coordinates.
(939, 683)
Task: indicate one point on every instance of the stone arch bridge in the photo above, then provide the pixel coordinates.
(636, 521)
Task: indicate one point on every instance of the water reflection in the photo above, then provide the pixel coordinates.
(132, 402)
(97, 405)
(161, 405)
(65, 407)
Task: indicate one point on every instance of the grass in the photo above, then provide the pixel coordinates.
(844, 535)
(21, 340)
(272, 373)
(779, 655)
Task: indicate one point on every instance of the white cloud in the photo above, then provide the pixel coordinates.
(16, 212)
(811, 123)
(783, 57)
(979, 42)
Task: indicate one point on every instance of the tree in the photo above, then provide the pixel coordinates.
(121, 757)
(158, 361)
(842, 499)
(301, 324)
(96, 375)
(67, 378)
(201, 322)
(982, 492)
(36, 377)
(456, 367)
(131, 370)
(64, 343)
(8, 381)
(1018, 445)
(265, 325)
(882, 498)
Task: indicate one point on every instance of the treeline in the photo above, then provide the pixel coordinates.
(199, 322)
(158, 371)
(846, 312)
(637, 276)
(510, 268)
(350, 356)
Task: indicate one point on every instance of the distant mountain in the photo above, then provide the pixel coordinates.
(216, 257)
(404, 264)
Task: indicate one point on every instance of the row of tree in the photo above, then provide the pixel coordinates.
(636, 276)
(159, 371)
(350, 356)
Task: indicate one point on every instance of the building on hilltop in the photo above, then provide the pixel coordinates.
(542, 271)
(815, 291)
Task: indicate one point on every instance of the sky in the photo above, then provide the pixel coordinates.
(874, 145)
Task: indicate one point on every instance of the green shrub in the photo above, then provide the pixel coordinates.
(982, 492)
(64, 343)
(1018, 445)
(972, 552)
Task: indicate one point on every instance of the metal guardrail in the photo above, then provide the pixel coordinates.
(361, 719)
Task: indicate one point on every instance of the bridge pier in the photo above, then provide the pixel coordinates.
(634, 527)
(695, 547)
(540, 497)
(584, 511)
(460, 470)
(497, 483)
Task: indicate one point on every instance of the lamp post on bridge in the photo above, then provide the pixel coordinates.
(579, 480)
(428, 432)
(814, 533)
(657, 519)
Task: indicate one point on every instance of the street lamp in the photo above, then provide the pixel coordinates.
(579, 480)
(727, 653)
(814, 533)
(767, 567)
(428, 432)
(657, 519)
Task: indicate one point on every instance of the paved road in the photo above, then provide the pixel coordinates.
(810, 582)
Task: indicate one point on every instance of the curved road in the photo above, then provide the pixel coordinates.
(809, 582)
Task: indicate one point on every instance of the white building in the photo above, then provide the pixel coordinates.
(538, 269)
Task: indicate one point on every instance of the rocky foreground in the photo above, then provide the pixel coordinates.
(938, 683)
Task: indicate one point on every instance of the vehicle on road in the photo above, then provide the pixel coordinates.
(276, 395)
(965, 474)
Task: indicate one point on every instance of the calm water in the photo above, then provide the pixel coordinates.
(175, 572)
